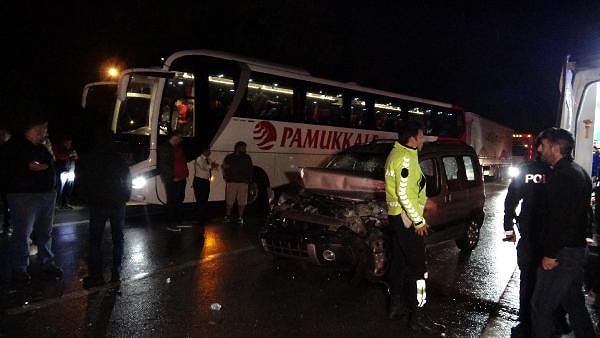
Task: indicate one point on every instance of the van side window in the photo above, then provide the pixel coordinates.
(430, 171)
(452, 168)
(469, 169)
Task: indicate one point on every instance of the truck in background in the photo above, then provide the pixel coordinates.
(522, 149)
(493, 144)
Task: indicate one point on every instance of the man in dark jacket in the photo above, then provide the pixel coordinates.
(528, 188)
(173, 172)
(30, 187)
(560, 275)
(108, 187)
(237, 172)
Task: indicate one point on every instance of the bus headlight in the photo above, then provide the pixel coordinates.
(67, 176)
(513, 171)
(138, 182)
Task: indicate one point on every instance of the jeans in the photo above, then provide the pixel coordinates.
(561, 285)
(29, 212)
(98, 217)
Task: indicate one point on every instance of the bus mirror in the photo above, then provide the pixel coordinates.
(122, 89)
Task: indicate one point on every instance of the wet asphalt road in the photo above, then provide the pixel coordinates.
(170, 281)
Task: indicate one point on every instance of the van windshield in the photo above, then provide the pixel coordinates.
(360, 162)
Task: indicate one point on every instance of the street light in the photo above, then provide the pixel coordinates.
(112, 72)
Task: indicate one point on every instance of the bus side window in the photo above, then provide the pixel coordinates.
(323, 107)
(269, 100)
(358, 113)
(385, 115)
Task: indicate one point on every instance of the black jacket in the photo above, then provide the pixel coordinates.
(568, 192)
(16, 176)
(528, 186)
(107, 178)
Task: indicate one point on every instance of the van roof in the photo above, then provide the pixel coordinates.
(384, 146)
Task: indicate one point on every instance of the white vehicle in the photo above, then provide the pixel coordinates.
(288, 118)
(492, 142)
(580, 106)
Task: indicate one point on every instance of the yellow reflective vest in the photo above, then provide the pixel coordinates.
(405, 184)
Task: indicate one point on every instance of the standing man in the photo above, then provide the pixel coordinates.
(405, 196)
(30, 187)
(528, 188)
(560, 275)
(203, 167)
(237, 172)
(108, 187)
(173, 172)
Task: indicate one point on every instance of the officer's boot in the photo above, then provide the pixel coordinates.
(396, 308)
(420, 322)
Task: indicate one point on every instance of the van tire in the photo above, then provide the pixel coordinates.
(471, 238)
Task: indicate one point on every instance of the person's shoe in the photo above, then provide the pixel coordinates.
(240, 221)
(420, 322)
(52, 270)
(93, 281)
(173, 228)
(21, 276)
(227, 219)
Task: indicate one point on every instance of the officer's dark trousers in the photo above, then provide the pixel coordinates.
(408, 262)
(528, 259)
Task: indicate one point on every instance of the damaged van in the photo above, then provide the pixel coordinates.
(337, 214)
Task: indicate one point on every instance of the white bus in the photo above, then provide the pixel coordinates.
(580, 106)
(288, 118)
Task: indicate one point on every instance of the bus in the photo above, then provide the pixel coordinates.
(288, 118)
(579, 110)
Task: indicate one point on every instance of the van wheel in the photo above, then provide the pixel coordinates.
(470, 240)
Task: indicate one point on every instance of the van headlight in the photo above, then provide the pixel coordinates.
(513, 171)
(138, 182)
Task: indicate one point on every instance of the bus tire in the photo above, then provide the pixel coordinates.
(258, 193)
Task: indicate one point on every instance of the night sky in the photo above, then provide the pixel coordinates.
(502, 62)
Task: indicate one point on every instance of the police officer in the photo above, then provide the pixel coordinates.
(405, 197)
(527, 186)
